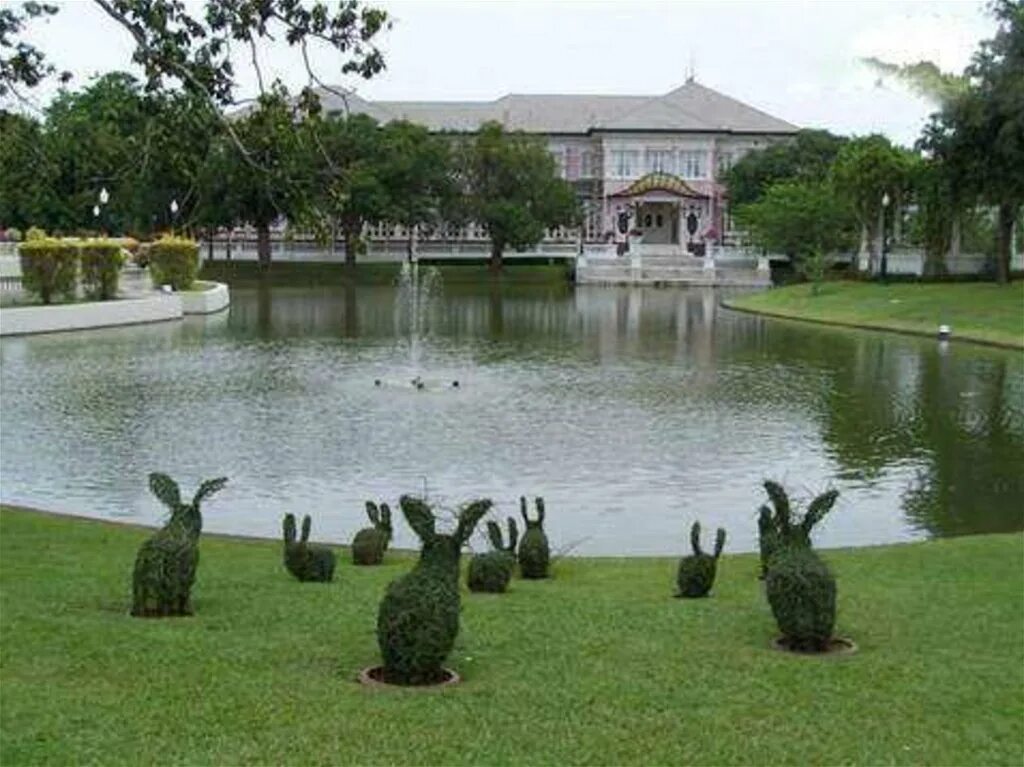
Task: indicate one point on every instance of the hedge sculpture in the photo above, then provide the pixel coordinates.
(534, 553)
(165, 566)
(490, 572)
(779, 528)
(306, 561)
(418, 618)
(370, 543)
(802, 593)
(697, 572)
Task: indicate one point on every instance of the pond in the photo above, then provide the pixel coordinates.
(632, 411)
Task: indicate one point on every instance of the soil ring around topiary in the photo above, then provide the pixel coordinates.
(373, 676)
(837, 646)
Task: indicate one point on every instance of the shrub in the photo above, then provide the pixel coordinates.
(534, 552)
(101, 267)
(304, 560)
(14, 235)
(370, 543)
(490, 572)
(165, 566)
(780, 528)
(35, 233)
(696, 573)
(174, 261)
(418, 618)
(802, 595)
(49, 267)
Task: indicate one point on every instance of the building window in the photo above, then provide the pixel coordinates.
(558, 155)
(625, 163)
(724, 163)
(661, 161)
(691, 165)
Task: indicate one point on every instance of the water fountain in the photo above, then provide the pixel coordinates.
(417, 290)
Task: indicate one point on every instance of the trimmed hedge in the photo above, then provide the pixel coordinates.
(49, 267)
(174, 261)
(101, 267)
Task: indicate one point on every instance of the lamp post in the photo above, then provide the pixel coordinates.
(174, 214)
(885, 238)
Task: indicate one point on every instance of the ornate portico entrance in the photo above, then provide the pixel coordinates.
(663, 208)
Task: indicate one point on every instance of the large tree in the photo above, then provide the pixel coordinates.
(866, 171)
(807, 157)
(510, 187)
(28, 196)
(806, 220)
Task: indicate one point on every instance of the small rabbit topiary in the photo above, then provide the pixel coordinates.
(418, 618)
(778, 529)
(165, 567)
(802, 594)
(697, 572)
(370, 543)
(534, 552)
(306, 561)
(490, 572)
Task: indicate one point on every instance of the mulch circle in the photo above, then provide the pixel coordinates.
(837, 646)
(373, 676)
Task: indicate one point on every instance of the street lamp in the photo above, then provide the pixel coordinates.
(174, 213)
(885, 238)
(104, 196)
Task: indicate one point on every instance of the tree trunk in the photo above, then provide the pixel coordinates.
(410, 243)
(496, 250)
(209, 244)
(263, 246)
(862, 251)
(351, 234)
(1004, 242)
(954, 242)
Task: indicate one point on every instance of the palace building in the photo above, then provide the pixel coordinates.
(649, 166)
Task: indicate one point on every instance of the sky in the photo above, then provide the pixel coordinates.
(799, 61)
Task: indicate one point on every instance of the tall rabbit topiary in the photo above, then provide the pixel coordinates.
(165, 567)
(490, 572)
(778, 528)
(370, 543)
(306, 561)
(696, 573)
(418, 618)
(802, 594)
(534, 552)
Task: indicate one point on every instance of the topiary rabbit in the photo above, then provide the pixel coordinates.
(534, 553)
(779, 530)
(697, 572)
(490, 572)
(370, 543)
(306, 561)
(165, 567)
(418, 618)
(802, 593)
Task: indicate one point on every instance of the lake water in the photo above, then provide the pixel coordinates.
(633, 411)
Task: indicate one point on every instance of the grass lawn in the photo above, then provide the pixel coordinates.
(979, 311)
(598, 665)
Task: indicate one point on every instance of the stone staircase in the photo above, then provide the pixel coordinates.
(668, 270)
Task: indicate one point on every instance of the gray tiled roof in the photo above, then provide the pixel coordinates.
(691, 107)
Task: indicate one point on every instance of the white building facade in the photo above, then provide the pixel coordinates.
(645, 168)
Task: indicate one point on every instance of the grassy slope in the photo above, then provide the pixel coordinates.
(599, 665)
(977, 310)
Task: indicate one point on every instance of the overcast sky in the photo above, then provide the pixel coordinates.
(796, 60)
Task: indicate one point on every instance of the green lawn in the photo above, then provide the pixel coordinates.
(979, 311)
(599, 665)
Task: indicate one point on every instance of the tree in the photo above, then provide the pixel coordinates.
(27, 191)
(417, 174)
(510, 187)
(807, 157)
(21, 63)
(865, 171)
(807, 220)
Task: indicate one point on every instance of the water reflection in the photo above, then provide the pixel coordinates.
(633, 410)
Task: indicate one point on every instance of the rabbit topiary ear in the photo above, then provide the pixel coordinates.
(522, 510)
(513, 535)
(418, 515)
(166, 489)
(819, 507)
(289, 528)
(372, 513)
(208, 488)
(385, 518)
(719, 542)
(780, 501)
(469, 516)
(695, 538)
(539, 503)
(494, 533)
(307, 524)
